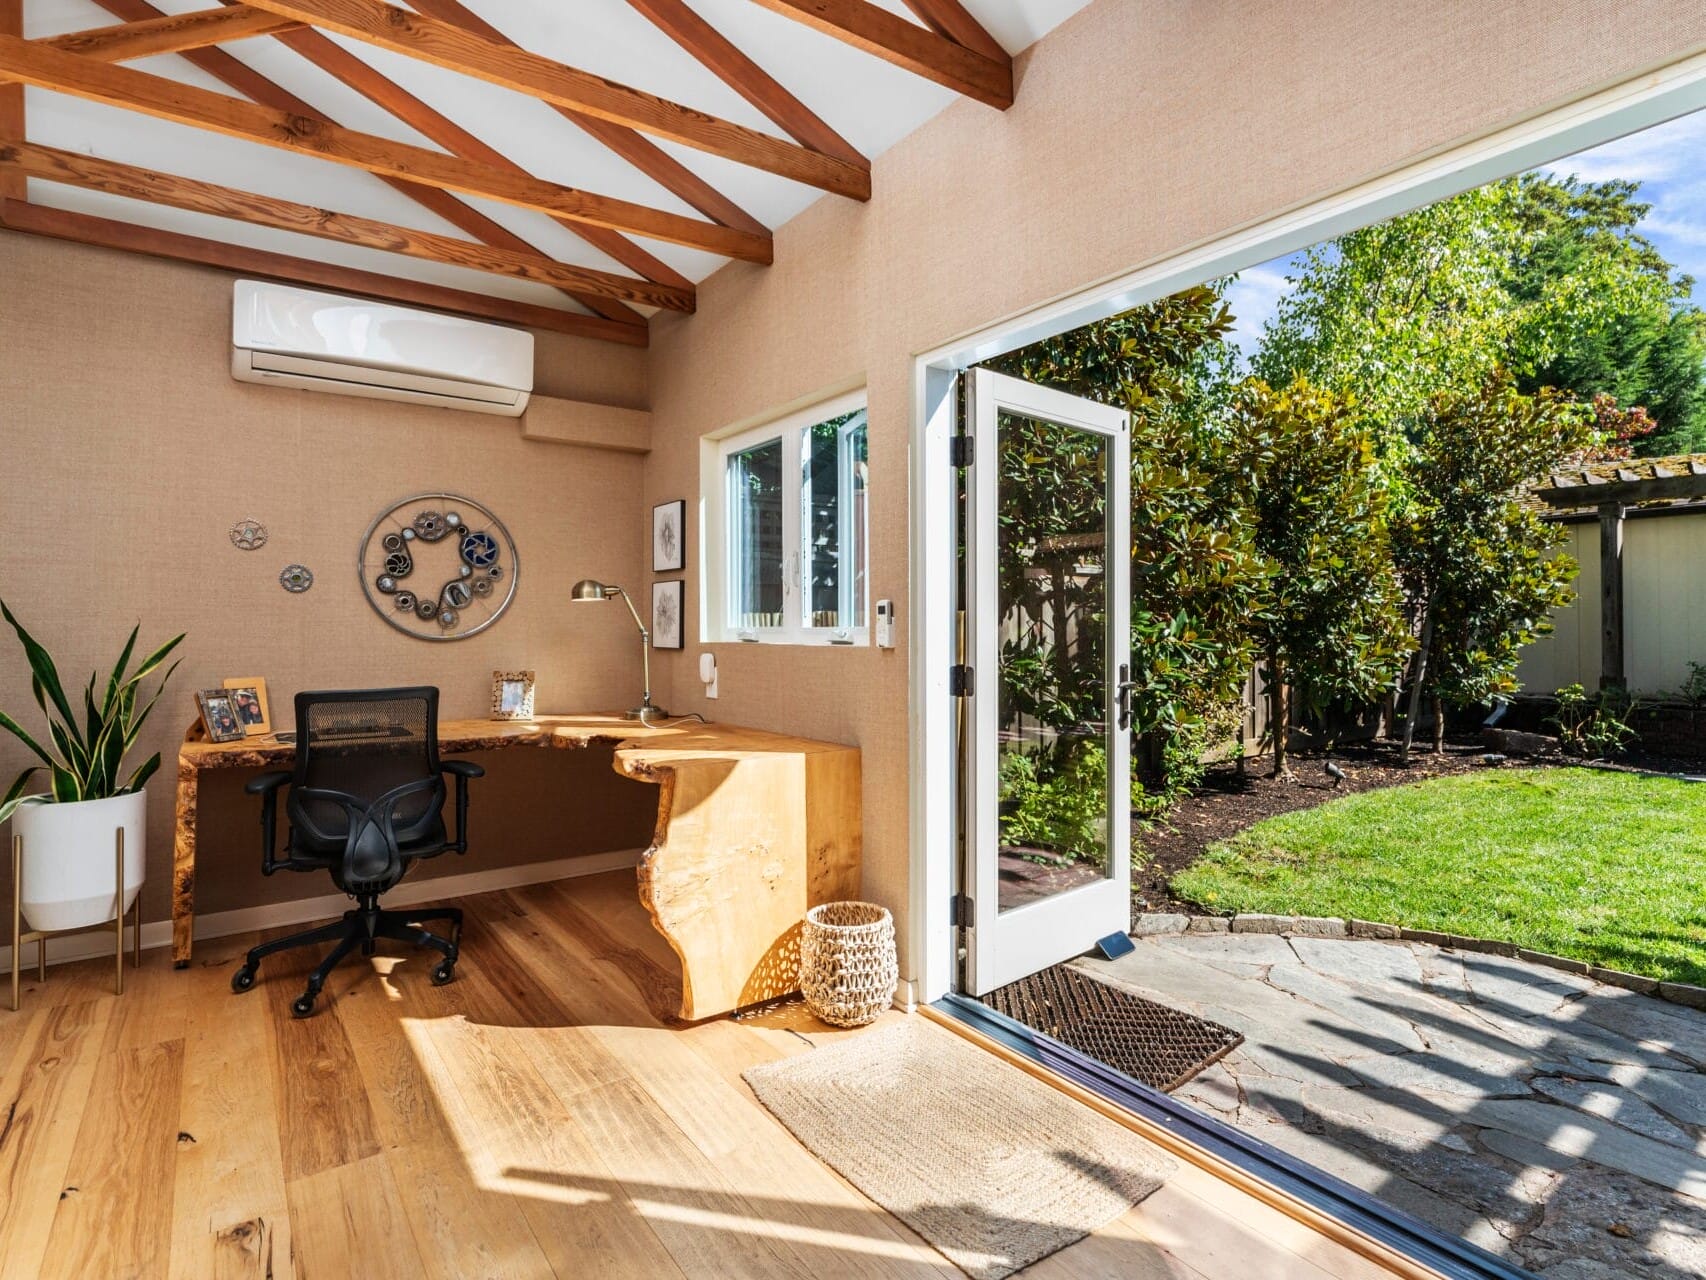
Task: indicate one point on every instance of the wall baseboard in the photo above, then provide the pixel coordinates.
(97, 942)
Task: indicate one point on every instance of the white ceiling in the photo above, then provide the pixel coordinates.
(871, 103)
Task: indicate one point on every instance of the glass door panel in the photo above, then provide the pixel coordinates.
(1048, 758)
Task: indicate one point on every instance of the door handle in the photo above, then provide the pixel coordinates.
(1122, 692)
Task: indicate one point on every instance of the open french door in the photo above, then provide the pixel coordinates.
(1046, 810)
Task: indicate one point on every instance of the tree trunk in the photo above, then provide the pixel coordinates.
(1279, 714)
(1416, 688)
(1439, 726)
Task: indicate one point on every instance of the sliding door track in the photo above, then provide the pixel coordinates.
(1399, 1231)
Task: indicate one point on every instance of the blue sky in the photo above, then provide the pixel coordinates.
(1665, 160)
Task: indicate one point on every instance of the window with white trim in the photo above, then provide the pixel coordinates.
(788, 505)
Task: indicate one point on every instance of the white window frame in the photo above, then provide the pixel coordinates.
(720, 572)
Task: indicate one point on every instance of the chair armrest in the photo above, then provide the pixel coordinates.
(266, 782)
(461, 770)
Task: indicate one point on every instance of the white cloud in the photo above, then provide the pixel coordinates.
(1254, 298)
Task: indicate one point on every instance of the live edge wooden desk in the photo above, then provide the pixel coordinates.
(753, 828)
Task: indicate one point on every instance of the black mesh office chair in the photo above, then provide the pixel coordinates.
(366, 800)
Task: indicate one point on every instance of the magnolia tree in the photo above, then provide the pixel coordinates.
(1196, 577)
(1333, 623)
(1479, 565)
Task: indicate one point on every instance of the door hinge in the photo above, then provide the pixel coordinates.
(961, 906)
(960, 450)
(960, 681)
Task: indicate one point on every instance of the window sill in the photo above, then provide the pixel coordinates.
(853, 638)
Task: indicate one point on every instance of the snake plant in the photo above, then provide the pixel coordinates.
(86, 761)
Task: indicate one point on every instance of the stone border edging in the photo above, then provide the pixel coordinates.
(1152, 923)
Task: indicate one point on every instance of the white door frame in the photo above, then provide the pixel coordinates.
(1643, 100)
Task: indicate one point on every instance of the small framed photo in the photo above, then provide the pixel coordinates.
(666, 615)
(218, 715)
(512, 695)
(249, 701)
(669, 536)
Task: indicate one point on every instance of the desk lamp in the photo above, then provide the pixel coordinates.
(587, 591)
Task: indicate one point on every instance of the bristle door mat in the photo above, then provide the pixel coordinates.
(1162, 1047)
(989, 1165)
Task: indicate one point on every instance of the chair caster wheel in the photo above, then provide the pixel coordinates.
(302, 1006)
(445, 972)
(243, 979)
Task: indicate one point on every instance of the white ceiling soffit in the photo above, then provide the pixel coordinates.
(868, 101)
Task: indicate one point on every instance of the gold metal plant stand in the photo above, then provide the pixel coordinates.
(40, 936)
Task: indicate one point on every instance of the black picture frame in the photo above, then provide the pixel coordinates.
(669, 628)
(669, 536)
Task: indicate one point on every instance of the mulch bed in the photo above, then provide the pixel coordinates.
(1225, 804)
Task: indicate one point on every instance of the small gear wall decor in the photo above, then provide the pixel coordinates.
(296, 578)
(248, 535)
(459, 560)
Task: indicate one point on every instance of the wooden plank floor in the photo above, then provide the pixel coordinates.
(539, 1117)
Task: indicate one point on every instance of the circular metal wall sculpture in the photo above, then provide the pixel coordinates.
(296, 578)
(438, 566)
(248, 535)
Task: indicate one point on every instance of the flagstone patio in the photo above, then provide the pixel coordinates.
(1549, 1118)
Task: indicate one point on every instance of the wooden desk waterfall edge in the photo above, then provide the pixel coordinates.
(753, 829)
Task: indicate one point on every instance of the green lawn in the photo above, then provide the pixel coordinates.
(1604, 867)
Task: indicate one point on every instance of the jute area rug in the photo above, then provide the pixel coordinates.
(991, 1166)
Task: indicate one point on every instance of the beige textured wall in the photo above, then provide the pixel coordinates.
(126, 452)
(1141, 127)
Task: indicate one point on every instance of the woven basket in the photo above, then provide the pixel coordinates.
(848, 968)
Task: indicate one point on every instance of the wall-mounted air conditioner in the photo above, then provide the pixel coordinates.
(323, 342)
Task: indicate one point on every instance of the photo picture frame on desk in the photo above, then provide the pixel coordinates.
(512, 695)
(249, 701)
(667, 631)
(219, 715)
(669, 536)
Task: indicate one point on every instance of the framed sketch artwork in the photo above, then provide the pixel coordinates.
(666, 615)
(669, 536)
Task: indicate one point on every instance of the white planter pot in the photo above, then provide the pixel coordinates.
(68, 859)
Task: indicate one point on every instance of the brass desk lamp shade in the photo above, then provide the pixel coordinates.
(588, 591)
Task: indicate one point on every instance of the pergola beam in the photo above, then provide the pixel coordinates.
(169, 33)
(132, 182)
(457, 49)
(919, 50)
(1594, 493)
(185, 104)
(60, 224)
(724, 60)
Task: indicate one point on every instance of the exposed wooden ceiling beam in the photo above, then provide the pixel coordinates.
(381, 90)
(185, 104)
(169, 33)
(133, 182)
(683, 25)
(12, 185)
(253, 85)
(637, 149)
(918, 49)
(949, 18)
(457, 49)
(18, 215)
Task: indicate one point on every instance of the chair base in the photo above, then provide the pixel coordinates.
(363, 927)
